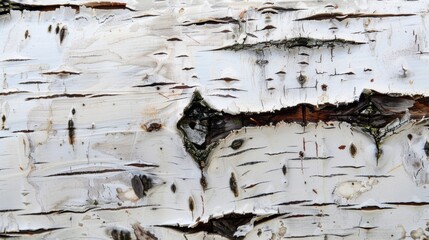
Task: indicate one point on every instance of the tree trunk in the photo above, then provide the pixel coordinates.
(214, 119)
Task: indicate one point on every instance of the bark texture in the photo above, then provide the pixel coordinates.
(214, 119)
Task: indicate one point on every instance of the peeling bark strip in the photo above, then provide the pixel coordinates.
(203, 126)
(6, 6)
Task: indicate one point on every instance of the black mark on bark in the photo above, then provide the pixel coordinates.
(141, 184)
(233, 185)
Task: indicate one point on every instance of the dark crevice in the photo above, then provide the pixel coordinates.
(341, 16)
(367, 208)
(10, 210)
(292, 43)
(260, 195)
(321, 236)
(240, 152)
(278, 9)
(27, 232)
(293, 202)
(156, 84)
(63, 72)
(66, 95)
(202, 126)
(85, 172)
(224, 20)
(330, 175)
(141, 165)
(250, 163)
(11, 92)
(374, 176)
(226, 225)
(128, 207)
(417, 204)
(319, 204)
(57, 212)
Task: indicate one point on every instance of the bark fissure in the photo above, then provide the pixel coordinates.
(292, 43)
(374, 113)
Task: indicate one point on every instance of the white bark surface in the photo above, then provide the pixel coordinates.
(112, 73)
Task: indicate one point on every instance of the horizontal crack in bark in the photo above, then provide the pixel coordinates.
(85, 172)
(223, 20)
(202, 126)
(226, 225)
(27, 232)
(292, 43)
(66, 95)
(342, 16)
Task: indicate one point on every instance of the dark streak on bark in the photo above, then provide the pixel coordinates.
(10, 210)
(120, 234)
(63, 33)
(141, 165)
(182, 87)
(278, 153)
(417, 204)
(366, 208)
(12, 92)
(71, 129)
(374, 176)
(66, 95)
(15, 59)
(356, 167)
(318, 204)
(250, 163)
(233, 185)
(365, 228)
(278, 8)
(240, 152)
(293, 202)
(341, 16)
(224, 20)
(253, 185)
(305, 215)
(141, 184)
(126, 207)
(56, 212)
(321, 236)
(330, 175)
(33, 82)
(260, 195)
(27, 232)
(156, 84)
(62, 73)
(311, 158)
(85, 172)
(103, 95)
